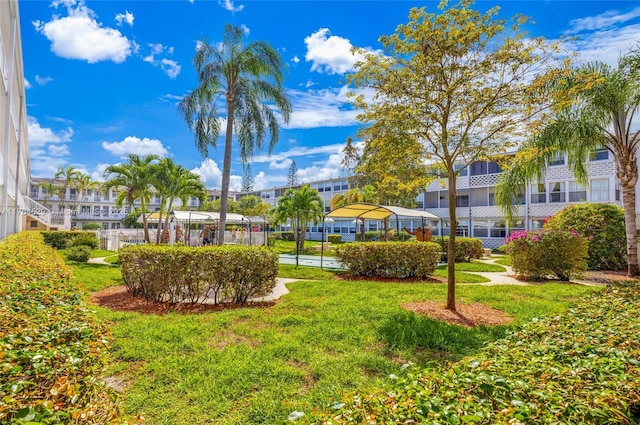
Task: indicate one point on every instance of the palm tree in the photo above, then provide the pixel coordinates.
(69, 177)
(604, 103)
(248, 79)
(301, 207)
(133, 180)
(173, 182)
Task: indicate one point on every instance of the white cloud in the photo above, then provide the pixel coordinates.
(125, 17)
(80, 36)
(261, 181)
(330, 169)
(39, 136)
(295, 59)
(58, 150)
(299, 151)
(604, 20)
(43, 81)
(605, 46)
(170, 67)
(135, 145)
(228, 5)
(321, 108)
(212, 176)
(282, 165)
(171, 98)
(27, 84)
(245, 29)
(331, 53)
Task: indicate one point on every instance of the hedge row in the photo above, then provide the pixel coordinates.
(390, 259)
(190, 275)
(582, 367)
(51, 349)
(67, 239)
(466, 249)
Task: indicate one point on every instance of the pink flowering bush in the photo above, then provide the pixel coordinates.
(540, 253)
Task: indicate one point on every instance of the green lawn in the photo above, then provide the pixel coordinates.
(475, 266)
(255, 366)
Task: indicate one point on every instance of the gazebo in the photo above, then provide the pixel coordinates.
(364, 211)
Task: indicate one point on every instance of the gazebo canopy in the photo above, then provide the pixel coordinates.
(197, 217)
(365, 211)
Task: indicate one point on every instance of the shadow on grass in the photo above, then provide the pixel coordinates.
(408, 330)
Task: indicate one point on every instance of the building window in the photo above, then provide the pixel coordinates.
(537, 224)
(599, 190)
(494, 168)
(478, 168)
(34, 191)
(345, 185)
(618, 190)
(462, 200)
(479, 197)
(601, 154)
(577, 192)
(444, 199)
(557, 192)
(33, 223)
(431, 199)
(557, 159)
(538, 193)
(96, 210)
(499, 230)
(480, 230)
(517, 225)
(461, 169)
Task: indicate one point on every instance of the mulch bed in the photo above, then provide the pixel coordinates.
(119, 299)
(467, 315)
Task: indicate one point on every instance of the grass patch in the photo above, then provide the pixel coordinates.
(99, 253)
(475, 266)
(304, 272)
(506, 261)
(326, 336)
(113, 259)
(289, 247)
(95, 277)
(462, 277)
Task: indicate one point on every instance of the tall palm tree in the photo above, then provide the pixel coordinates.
(133, 180)
(301, 207)
(172, 182)
(605, 101)
(69, 177)
(248, 80)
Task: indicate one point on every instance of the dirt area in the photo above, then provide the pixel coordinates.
(468, 315)
(119, 299)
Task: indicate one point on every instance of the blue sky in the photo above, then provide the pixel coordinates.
(103, 77)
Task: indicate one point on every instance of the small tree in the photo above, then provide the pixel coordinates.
(292, 176)
(301, 206)
(453, 87)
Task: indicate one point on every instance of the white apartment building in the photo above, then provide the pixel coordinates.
(477, 213)
(17, 211)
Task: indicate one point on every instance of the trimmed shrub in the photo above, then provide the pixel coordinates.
(403, 237)
(64, 239)
(390, 259)
(190, 275)
(539, 253)
(80, 253)
(51, 348)
(91, 226)
(284, 236)
(603, 225)
(334, 239)
(85, 239)
(466, 249)
(580, 367)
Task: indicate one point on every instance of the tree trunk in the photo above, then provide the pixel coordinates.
(628, 177)
(226, 172)
(145, 225)
(453, 225)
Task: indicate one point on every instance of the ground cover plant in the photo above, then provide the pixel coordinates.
(579, 367)
(51, 348)
(326, 336)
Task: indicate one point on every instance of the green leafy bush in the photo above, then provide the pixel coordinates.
(284, 236)
(580, 367)
(51, 349)
(85, 239)
(184, 274)
(80, 253)
(334, 239)
(603, 225)
(390, 259)
(64, 239)
(466, 249)
(539, 253)
(91, 226)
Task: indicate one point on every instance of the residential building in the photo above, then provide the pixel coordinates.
(17, 211)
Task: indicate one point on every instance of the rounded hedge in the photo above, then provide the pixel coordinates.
(603, 225)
